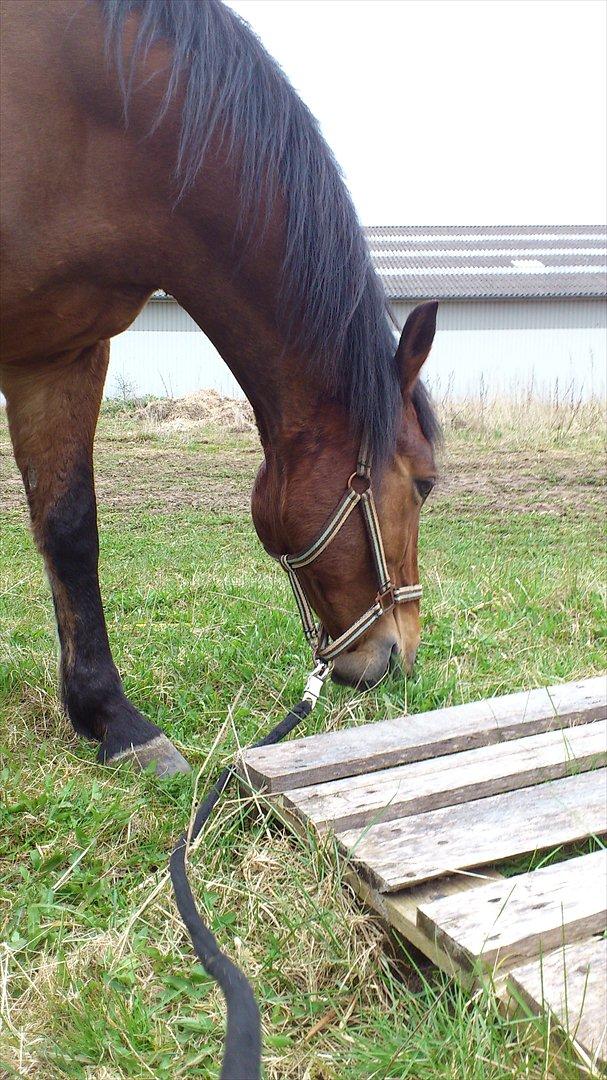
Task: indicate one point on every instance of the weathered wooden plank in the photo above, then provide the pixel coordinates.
(415, 849)
(445, 781)
(571, 983)
(381, 745)
(400, 909)
(522, 916)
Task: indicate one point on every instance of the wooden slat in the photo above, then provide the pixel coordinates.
(400, 910)
(415, 849)
(572, 983)
(522, 916)
(445, 781)
(388, 743)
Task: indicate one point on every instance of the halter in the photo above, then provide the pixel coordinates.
(359, 491)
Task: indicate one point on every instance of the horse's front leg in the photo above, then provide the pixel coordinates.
(52, 409)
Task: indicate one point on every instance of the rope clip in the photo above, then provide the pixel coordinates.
(315, 682)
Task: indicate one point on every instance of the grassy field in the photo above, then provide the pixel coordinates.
(96, 974)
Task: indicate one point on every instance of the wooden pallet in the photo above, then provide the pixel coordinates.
(423, 807)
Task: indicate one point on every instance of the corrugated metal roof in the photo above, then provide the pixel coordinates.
(473, 262)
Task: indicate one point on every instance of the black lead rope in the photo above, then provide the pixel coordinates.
(242, 1053)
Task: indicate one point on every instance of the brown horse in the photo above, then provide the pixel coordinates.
(154, 143)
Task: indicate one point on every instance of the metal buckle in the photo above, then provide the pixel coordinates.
(386, 600)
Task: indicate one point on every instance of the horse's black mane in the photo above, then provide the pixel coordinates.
(331, 293)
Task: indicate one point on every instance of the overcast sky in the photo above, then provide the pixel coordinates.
(453, 111)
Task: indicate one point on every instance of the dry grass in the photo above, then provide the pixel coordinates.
(523, 417)
(197, 412)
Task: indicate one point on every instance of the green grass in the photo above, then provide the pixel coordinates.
(97, 978)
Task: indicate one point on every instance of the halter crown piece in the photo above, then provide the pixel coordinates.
(358, 491)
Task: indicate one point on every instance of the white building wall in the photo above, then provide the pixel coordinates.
(505, 343)
(555, 314)
(510, 344)
(164, 353)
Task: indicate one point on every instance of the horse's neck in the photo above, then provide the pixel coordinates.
(231, 289)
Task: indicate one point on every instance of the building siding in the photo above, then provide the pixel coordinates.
(163, 316)
(505, 344)
(511, 345)
(164, 354)
(582, 314)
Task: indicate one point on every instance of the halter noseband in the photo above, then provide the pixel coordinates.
(358, 491)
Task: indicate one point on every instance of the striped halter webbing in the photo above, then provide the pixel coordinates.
(358, 491)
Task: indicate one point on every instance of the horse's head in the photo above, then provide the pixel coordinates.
(298, 489)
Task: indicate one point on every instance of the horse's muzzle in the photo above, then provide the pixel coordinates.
(365, 667)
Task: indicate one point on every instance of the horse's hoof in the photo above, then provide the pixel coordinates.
(158, 751)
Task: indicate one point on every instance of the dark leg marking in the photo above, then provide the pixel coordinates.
(57, 470)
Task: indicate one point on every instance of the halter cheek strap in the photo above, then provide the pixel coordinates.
(358, 491)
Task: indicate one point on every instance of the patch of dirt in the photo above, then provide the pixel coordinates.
(140, 463)
(205, 408)
(552, 480)
(168, 478)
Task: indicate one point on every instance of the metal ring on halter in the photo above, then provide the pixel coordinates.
(361, 479)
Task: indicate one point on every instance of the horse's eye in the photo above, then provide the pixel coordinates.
(424, 487)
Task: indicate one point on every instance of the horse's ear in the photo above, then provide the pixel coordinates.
(415, 343)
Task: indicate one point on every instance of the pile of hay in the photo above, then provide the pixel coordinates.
(203, 409)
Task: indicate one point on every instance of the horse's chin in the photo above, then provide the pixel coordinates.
(365, 667)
